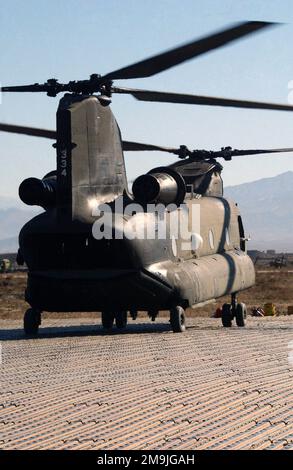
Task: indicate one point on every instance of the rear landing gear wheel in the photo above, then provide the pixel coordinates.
(107, 320)
(227, 315)
(177, 319)
(121, 320)
(31, 322)
(240, 314)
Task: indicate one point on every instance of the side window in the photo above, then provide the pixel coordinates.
(211, 239)
(227, 237)
(241, 233)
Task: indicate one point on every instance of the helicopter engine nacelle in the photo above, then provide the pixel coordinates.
(161, 185)
(39, 192)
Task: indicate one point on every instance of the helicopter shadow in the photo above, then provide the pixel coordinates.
(91, 330)
(15, 334)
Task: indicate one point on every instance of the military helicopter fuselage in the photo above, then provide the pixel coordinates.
(70, 270)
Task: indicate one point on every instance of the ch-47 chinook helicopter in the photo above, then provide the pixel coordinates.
(69, 269)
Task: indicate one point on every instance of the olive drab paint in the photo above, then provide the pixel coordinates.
(71, 270)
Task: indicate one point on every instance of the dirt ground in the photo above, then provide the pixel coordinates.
(274, 286)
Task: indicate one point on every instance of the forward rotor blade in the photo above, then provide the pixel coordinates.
(165, 97)
(166, 60)
(33, 131)
(36, 87)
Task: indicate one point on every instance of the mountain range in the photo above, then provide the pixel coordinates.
(13, 215)
(266, 206)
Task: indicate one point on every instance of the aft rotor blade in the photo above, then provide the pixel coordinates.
(227, 153)
(33, 131)
(165, 97)
(166, 60)
(48, 134)
(137, 146)
(235, 153)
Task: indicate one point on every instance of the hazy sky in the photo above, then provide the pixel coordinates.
(70, 39)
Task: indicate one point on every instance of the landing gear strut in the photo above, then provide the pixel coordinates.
(31, 322)
(234, 310)
(107, 320)
(109, 317)
(121, 320)
(153, 314)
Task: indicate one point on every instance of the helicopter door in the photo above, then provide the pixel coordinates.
(241, 234)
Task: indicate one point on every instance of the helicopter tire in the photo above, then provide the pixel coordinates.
(227, 316)
(107, 320)
(177, 319)
(240, 314)
(31, 322)
(121, 320)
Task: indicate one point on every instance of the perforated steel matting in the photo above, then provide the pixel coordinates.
(147, 388)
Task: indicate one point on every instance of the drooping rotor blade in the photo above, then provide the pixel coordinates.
(166, 97)
(236, 153)
(52, 87)
(36, 87)
(33, 131)
(166, 60)
(226, 152)
(138, 146)
(49, 134)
